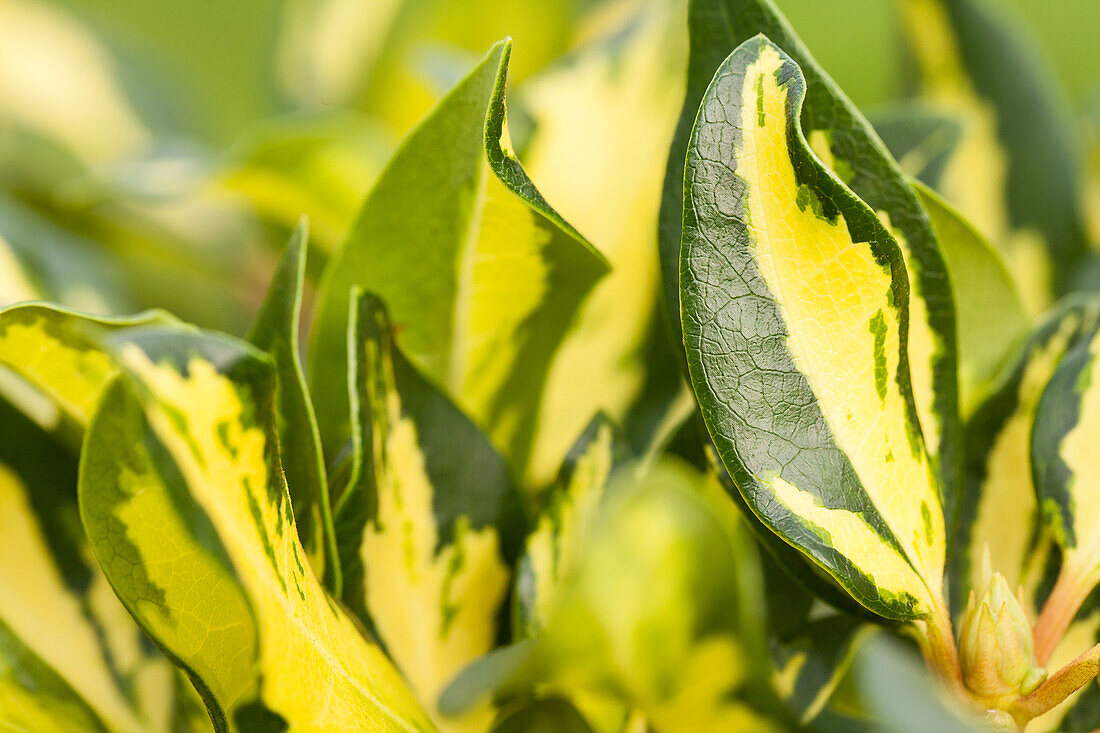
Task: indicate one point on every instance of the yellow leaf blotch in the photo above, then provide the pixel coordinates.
(434, 611)
(843, 330)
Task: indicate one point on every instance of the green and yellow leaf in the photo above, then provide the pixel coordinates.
(661, 615)
(52, 349)
(1014, 171)
(71, 658)
(430, 521)
(811, 665)
(552, 549)
(1067, 476)
(999, 509)
(183, 498)
(846, 143)
(602, 119)
(482, 275)
(795, 311)
(275, 331)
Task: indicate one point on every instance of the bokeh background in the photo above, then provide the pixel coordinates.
(154, 150)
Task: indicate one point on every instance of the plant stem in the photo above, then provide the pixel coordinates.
(937, 642)
(1070, 591)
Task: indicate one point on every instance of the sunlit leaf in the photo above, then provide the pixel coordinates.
(429, 523)
(184, 501)
(71, 658)
(1014, 172)
(602, 119)
(844, 141)
(481, 275)
(794, 299)
(275, 331)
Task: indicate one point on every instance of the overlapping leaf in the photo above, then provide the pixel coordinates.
(430, 521)
(553, 547)
(659, 616)
(846, 143)
(794, 299)
(982, 286)
(275, 331)
(601, 121)
(70, 656)
(999, 509)
(481, 275)
(1014, 173)
(183, 498)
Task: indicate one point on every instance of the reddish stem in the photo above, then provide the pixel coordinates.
(1061, 607)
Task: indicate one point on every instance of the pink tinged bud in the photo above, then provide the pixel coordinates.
(995, 644)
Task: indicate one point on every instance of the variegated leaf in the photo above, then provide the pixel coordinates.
(183, 498)
(430, 521)
(552, 549)
(62, 370)
(71, 658)
(661, 616)
(999, 508)
(795, 314)
(1014, 172)
(275, 331)
(1065, 465)
(601, 121)
(845, 142)
(481, 274)
(811, 665)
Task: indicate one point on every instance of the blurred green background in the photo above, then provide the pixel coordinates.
(217, 54)
(204, 66)
(157, 152)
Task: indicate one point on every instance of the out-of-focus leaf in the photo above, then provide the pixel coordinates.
(844, 141)
(552, 715)
(661, 615)
(991, 318)
(203, 69)
(82, 103)
(482, 277)
(54, 351)
(794, 299)
(1015, 171)
(1067, 475)
(430, 522)
(901, 696)
(183, 498)
(811, 664)
(602, 120)
(57, 265)
(318, 165)
(16, 282)
(922, 138)
(71, 658)
(382, 57)
(553, 548)
(275, 331)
